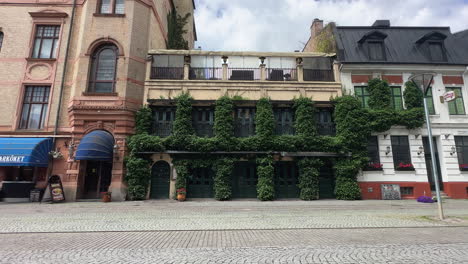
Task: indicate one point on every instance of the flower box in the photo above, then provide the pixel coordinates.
(373, 167)
(405, 167)
(463, 167)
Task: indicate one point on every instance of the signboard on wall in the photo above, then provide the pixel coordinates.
(390, 191)
(449, 96)
(11, 159)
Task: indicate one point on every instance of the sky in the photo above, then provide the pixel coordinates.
(284, 25)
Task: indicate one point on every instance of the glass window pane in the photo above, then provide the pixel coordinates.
(37, 44)
(44, 113)
(24, 116)
(35, 116)
(106, 7)
(119, 6)
(103, 87)
(46, 48)
(1, 40)
(106, 65)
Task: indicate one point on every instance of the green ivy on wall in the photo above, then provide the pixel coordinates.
(176, 30)
(309, 172)
(265, 173)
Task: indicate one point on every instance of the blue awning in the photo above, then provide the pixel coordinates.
(97, 145)
(32, 152)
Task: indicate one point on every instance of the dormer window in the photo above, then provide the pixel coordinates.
(376, 50)
(373, 44)
(432, 44)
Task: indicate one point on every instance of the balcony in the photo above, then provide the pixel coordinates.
(208, 75)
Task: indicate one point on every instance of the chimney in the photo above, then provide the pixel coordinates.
(381, 23)
(316, 27)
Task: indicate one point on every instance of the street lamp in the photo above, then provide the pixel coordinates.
(423, 81)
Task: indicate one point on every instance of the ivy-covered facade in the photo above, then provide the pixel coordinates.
(376, 63)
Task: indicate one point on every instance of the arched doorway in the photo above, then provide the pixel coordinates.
(95, 153)
(160, 180)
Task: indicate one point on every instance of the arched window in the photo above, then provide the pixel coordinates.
(103, 69)
(1, 40)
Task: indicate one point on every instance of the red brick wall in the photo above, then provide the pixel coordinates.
(360, 78)
(456, 190)
(419, 188)
(452, 79)
(393, 78)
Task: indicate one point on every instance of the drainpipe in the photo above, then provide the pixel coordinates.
(62, 85)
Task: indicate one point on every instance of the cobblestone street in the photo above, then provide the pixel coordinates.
(205, 231)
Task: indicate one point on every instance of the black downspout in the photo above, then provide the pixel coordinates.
(62, 85)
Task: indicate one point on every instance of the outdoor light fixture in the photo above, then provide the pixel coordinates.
(423, 81)
(262, 59)
(388, 150)
(453, 150)
(71, 150)
(420, 150)
(55, 154)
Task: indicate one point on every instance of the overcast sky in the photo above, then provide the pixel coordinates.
(284, 25)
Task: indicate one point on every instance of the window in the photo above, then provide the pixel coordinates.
(406, 191)
(203, 121)
(456, 107)
(245, 122)
(111, 6)
(374, 155)
(1, 40)
(46, 42)
(376, 50)
(430, 101)
(363, 95)
(284, 121)
(163, 118)
(325, 123)
(35, 104)
(397, 101)
(401, 153)
(462, 152)
(436, 51)
(103, 70)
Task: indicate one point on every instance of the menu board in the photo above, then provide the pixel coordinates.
(56, 189)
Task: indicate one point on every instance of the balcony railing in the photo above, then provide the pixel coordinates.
(282, 129)
(279, 74)
(206, 74)
(163, 128)
(171, 73)
(244, 130)
(326, 129)
(244, 74)
(318, 75)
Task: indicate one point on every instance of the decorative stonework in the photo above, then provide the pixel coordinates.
(39, 72)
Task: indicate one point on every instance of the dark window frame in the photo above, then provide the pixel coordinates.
(457, 99)
(373, 153)
(55, 41)
(461, 143)
(440, 44)
(113, 7)
(364, 96)
(284, 120)
(2, 36)
(407, 191)
(94, 67)
(430, 101)
(163, 120)
(381, 44)
(244, 119)
(328, 126)
(203, 118)
(28, 99)
(401, 153)
(393, 97)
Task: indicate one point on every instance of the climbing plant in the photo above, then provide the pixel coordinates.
(143, 120)
(379, 94)
(309, 178)
(223, 168)
(265, 173)
(137, 177)
(413, 96)
(176, 30)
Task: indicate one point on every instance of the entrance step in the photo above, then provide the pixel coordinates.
(443, 195)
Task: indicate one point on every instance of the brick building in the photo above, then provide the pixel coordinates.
(72, 71)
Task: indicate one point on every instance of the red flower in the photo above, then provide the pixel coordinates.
(405, 165)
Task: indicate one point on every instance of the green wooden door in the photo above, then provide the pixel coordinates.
(160, 180)
(286, 180)
(327, 181)
(244, 180)
(200, 183)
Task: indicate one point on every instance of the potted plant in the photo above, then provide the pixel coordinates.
(107, 197)
(181, 193)
(405, 166)
(374, 166)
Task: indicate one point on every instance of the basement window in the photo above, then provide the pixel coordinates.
(406, 191)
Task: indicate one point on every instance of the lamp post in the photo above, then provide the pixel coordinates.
(423, 82)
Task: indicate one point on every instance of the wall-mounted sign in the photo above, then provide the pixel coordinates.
(11, 159)
(449, 96)
(390, 191)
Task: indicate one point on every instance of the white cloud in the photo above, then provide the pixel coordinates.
(281, 25)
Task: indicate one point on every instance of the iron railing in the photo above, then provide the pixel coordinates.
(169, 73)
(244, 130)
(284, 129)
(326, 129)
(203, 129)
(277, 74)
(163, 128)
(206, 74)
(244, 74)
(319, 75)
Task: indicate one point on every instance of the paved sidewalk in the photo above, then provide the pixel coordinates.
(400, 245)
(158, 215)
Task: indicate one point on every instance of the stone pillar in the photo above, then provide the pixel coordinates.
(336, 71)
(225, 68)
(300, 70)
(262, 72)
(186, 67)
(149, 62)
